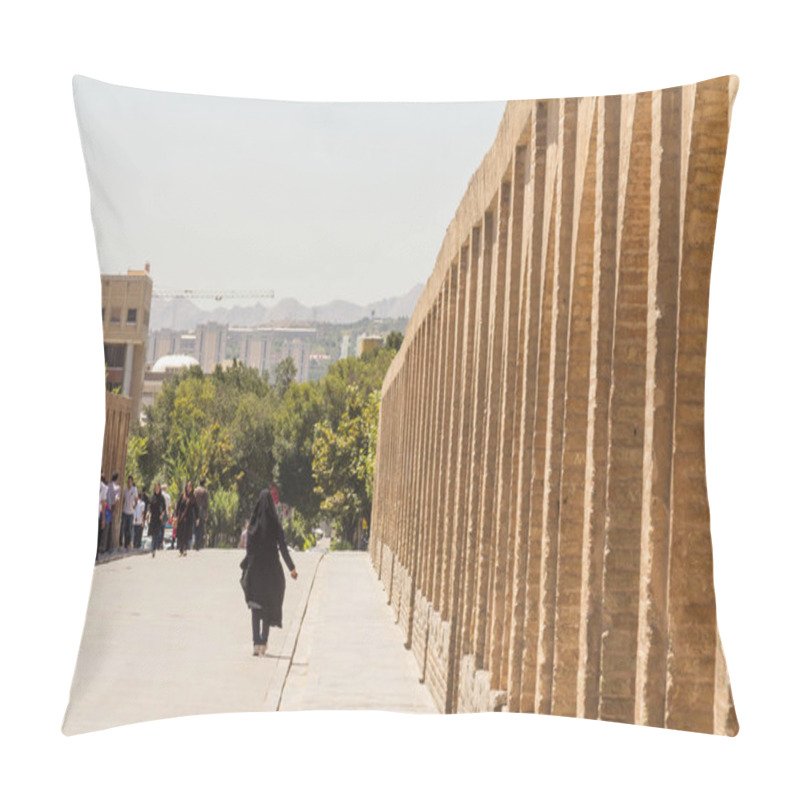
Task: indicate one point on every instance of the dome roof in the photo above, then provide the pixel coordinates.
(172, 363)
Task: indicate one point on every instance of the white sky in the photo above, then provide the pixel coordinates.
(317, 201)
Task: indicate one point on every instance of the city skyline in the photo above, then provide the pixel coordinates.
(316, 201)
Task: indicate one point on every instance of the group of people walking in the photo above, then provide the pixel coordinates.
(262, 578)
(189, 521)
(191, 516)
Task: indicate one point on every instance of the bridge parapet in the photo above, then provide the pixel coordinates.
(540, 518)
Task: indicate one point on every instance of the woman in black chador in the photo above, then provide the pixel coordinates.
(186, 516)
(158, 513)
(262, 578)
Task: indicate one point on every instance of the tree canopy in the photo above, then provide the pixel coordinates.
(234, 429)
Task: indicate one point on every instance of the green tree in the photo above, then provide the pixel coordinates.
(285, 373)
(316, 439)
(207, 453)
(137, 455)
(299, 531)
(302, 408)
(224, 529)
(343, 463)
(253, 441)
(393, 341)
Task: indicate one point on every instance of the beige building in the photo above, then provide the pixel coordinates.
(115, 450)
(260, 348)
(265, 348)
(211, 341)
(164, 342)
(169, 342)
(126, 317)
(369, 344)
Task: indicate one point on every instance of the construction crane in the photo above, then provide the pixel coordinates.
(210, 294)
(206, 294)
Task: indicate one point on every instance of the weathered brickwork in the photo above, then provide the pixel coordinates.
(540, 520)
(115, 448)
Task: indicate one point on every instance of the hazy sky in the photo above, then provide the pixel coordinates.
(318, 201)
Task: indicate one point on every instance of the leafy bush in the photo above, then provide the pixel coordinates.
(309, 541)
(223, 511)
(341, 544)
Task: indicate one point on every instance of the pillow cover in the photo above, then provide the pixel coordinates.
(513, 451)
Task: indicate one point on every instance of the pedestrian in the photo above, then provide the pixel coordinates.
(101, 519)
(262, 575)
(158, 515)
(112, 499)
(167, 500)
(243, 537)
(201, 495)
(129, 502)
(143, 496)
(168, 522)
(138, 522)
(186, 517)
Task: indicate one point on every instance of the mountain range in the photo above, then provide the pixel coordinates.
(182, 314)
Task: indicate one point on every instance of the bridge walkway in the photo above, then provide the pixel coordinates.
(170, 636)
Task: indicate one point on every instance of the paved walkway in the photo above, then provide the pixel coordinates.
(170, 636)
(350, 653)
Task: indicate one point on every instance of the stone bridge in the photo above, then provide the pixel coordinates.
(540, 520)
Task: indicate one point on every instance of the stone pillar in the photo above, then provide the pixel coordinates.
(532, 573)
(604, 282)
(562, 262)
(662, 308)
(567, 596)
(485, 477)
(495, 573)
(691, 605)
(475, 565)
(515, 297)
(466, 428)
(622, 533)
(528, 350)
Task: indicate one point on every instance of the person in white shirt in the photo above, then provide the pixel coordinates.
(168, 501)
(101, 519)
(112, 498)
(130, 499)
(138, 522)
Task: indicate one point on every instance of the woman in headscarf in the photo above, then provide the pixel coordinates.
(158, 514)
(262, 580)
(186, 517)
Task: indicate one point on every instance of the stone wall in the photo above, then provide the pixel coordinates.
(115, 448)
(540, 520)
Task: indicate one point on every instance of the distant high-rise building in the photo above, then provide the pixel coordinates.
(211, 340)
(369, 344)
(345, 346)
(261, 348)
(265, 348)
(163, 342)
